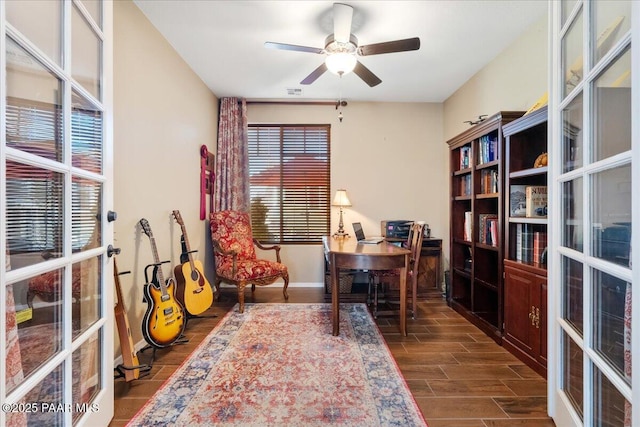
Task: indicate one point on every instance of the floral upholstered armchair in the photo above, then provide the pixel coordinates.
(235, 255)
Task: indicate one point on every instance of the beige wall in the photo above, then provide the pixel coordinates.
(391, 159)
(513, 81)
(163, 113)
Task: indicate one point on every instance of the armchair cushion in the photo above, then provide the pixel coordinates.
(247, 269)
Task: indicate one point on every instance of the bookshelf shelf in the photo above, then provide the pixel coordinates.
(463, 273)
(521, 220)
(490, 164)
(462, 172)
(526, 173)
(525, 276)
(487, 247)
(477, 220)
(491, 286)
(487, 195)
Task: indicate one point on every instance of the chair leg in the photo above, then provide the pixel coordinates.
(414, 299)
(241, 287)
(376, 282)
(286, 285)
(216, 285)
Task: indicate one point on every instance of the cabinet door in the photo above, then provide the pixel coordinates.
(429, 270)
(520, 301)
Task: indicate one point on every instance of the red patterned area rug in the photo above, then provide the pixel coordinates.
(279, 365)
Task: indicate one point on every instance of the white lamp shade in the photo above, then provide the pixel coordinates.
(341, 199)
(341, 62)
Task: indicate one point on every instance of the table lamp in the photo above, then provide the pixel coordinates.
(341, 200)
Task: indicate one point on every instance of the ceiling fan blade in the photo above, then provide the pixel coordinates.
(365, 74)
(342, 15)
(284, 46)
(390, 47)
(314, 75)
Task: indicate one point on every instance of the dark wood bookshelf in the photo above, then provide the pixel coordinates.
(476, 283)
(525, 273)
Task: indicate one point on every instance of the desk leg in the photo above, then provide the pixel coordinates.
(335, 296)
(403, 296)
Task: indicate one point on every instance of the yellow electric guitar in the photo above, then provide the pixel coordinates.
(193, 290)
(164, 321)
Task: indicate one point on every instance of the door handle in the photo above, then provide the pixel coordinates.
(111, 251)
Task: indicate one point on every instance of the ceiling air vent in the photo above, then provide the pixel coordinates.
(294, 91)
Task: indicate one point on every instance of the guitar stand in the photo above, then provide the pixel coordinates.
(144, 370)
(153, 275)
(181, 340)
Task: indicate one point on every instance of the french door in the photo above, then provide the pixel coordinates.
(594, 186)
(56, 310)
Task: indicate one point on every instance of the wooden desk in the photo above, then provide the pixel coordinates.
(347, 253)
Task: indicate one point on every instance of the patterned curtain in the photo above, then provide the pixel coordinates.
(232, 157)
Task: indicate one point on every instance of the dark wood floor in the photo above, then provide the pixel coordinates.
(458, 376)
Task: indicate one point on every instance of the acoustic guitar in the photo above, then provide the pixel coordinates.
(130, 365)
(163, 322)
(193, 289)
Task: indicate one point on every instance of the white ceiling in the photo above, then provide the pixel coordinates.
(223, 42)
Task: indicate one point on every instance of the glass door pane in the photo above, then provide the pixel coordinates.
(87, 58)
(41, 22)
(572, 58)
(55, 295)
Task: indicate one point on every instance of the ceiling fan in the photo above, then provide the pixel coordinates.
(341, 49)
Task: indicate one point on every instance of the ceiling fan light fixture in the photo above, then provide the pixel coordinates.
(341, 62)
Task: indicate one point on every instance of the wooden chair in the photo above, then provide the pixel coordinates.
(235, 256)
(377, 278)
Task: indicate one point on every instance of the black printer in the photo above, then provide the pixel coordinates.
(398, 228)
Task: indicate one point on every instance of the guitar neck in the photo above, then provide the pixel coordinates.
(119, 308)
(159, 275)
(187, 245)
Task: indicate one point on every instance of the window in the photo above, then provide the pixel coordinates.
(289, 168)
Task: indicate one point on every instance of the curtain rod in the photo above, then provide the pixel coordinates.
(332, 103)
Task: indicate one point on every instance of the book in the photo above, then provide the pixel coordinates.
(488, 181)
(539, 245)
(527, 243)
(517, 200)
(493, 232)
(465, 157)
(467, 226)
(465, 185)
(536, 201)
(519, 242)
(485, 223)
(487, 149)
